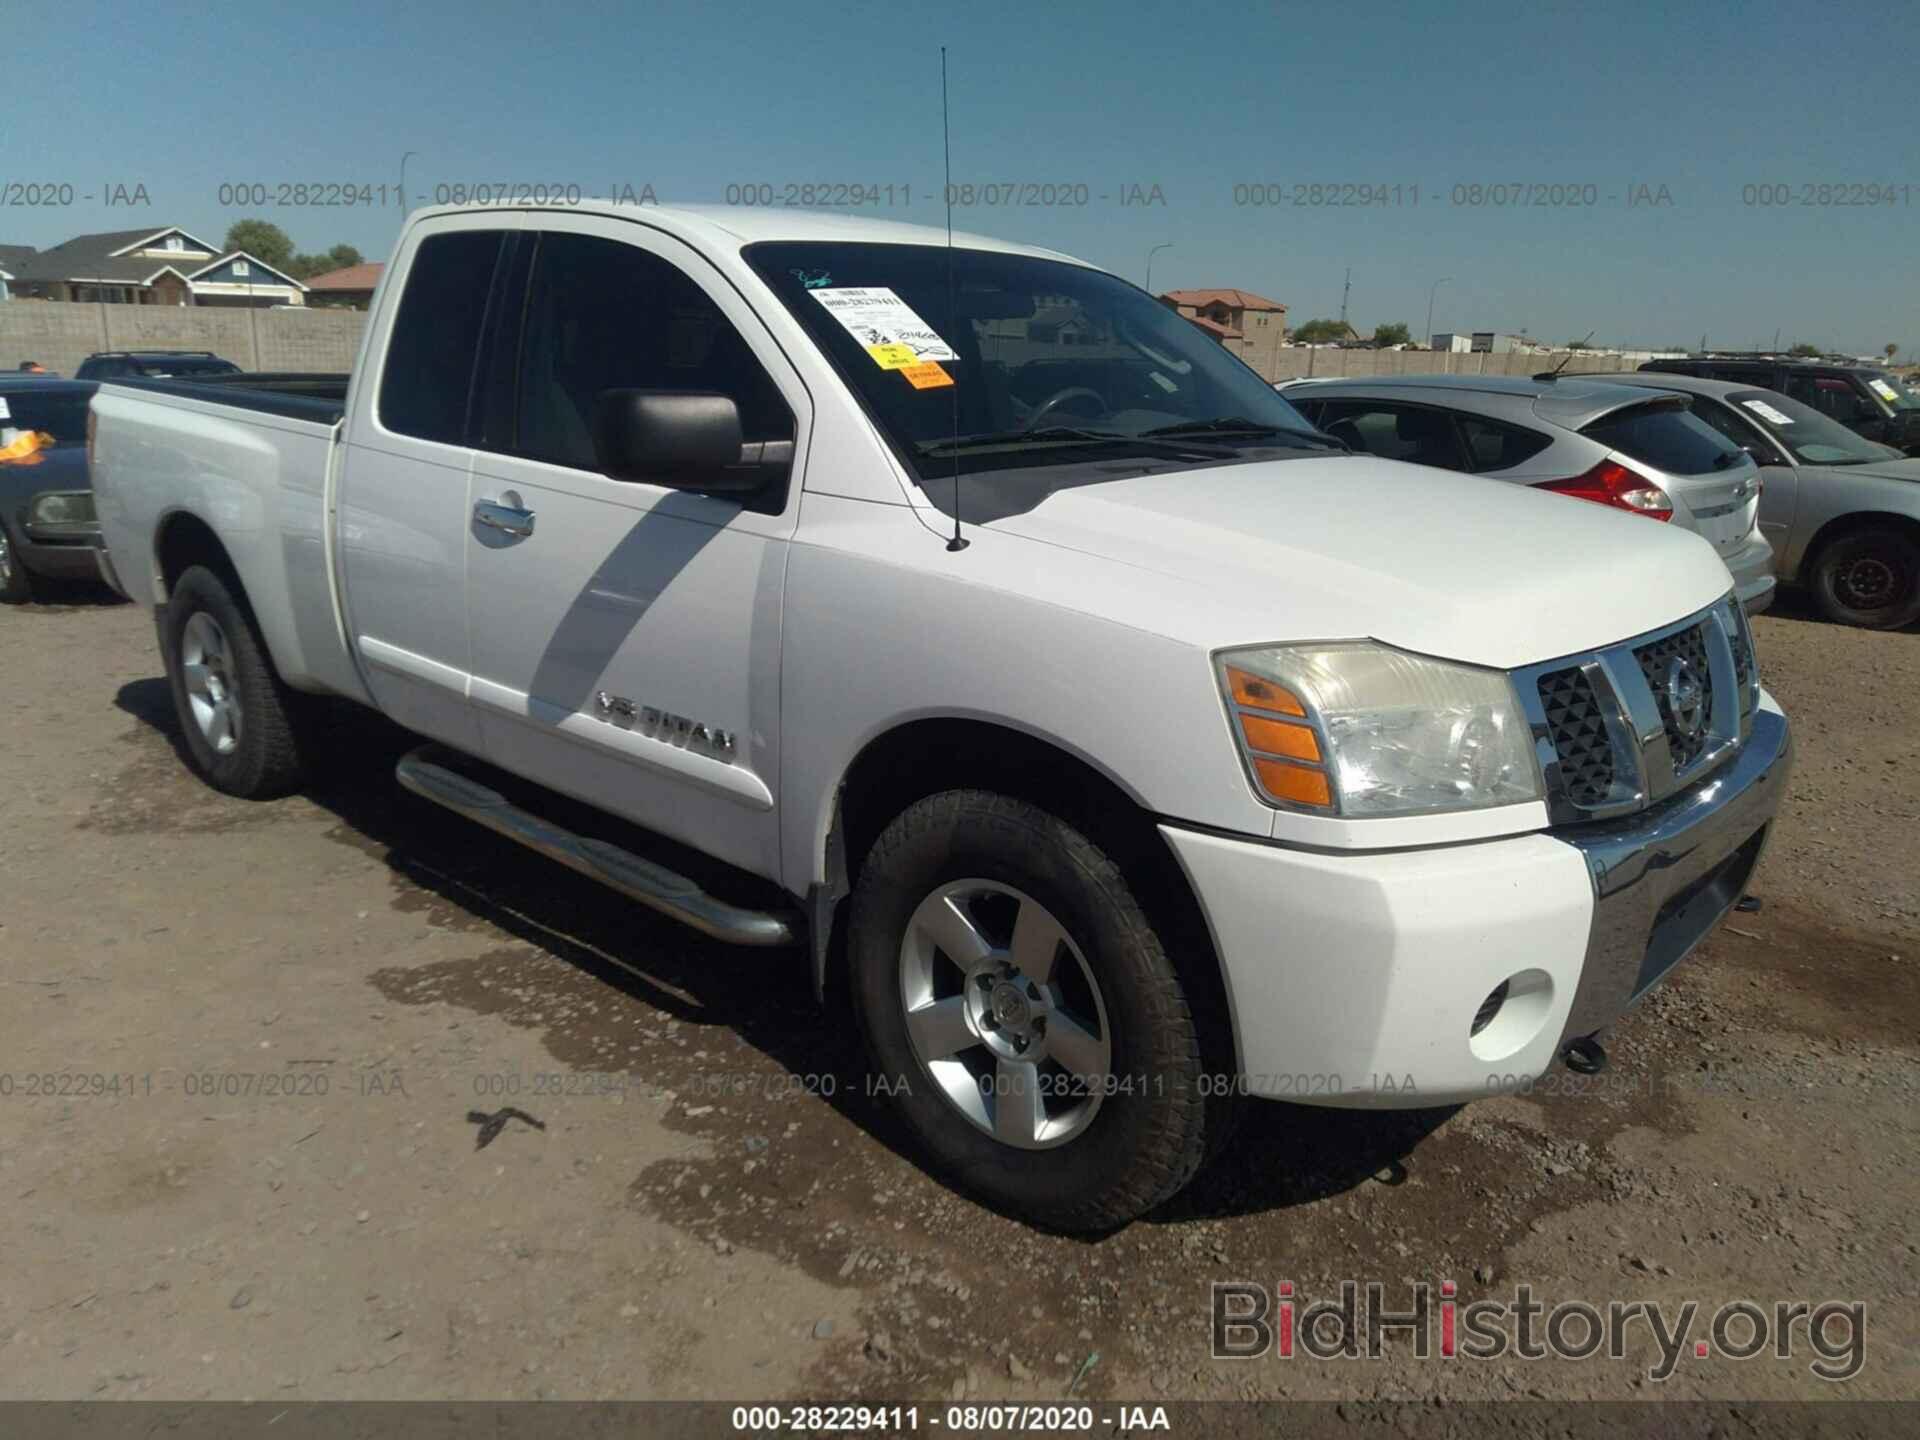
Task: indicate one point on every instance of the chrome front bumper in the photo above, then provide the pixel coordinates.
(1664, 878)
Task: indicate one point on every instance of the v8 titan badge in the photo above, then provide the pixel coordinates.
(886, 327)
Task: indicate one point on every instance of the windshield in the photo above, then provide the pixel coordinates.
(160, 368)
(62, 414)
(1048, 362)
(1892, 389)
(1812, 438)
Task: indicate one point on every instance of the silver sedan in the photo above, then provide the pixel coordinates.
(1842, 512)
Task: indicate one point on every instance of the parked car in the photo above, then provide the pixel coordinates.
(1866, 399)
(1841, 511)
(1109, 741)
(1643, 454)
(152, 364)
(47, 525)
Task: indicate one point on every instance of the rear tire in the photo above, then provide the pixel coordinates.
(1869, 578)
(236, 715)
(1064, 982)
(16, 581)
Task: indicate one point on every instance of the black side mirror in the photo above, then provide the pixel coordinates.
(685, 439)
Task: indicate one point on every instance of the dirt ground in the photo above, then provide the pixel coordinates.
(271, 1033)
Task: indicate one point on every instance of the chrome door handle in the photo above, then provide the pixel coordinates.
(510, 518)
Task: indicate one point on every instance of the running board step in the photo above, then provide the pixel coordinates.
(428, 773)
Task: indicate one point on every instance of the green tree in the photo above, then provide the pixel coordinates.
(263, 240)
(1890, 350)
(1576, 345)
(305, 267)
(1319, 332)
(1394, 334)
(1804, 349)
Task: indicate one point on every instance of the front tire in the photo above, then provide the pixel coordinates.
(1023, 1014)
(236, 715)
(1869, 578)
(16, 581)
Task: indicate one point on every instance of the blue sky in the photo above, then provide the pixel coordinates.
(1195, 99)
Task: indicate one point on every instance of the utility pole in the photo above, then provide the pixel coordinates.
(1345, 291)
(1165, 245)
(1431, 289)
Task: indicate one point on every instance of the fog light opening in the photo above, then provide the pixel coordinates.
(1490, 1007)
(1512, 1015)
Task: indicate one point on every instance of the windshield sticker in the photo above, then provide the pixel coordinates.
(881, 320)
(1767, 412)
(5, 413)
(893, 357)
(812, 281)
(1884, 390)
(927, 375)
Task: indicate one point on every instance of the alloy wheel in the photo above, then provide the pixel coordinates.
(206, 663)
(1005, 1014)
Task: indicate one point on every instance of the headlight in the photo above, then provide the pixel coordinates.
(73, 508)
(1359, 729)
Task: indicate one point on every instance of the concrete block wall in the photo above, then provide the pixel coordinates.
(1302, 361)
(61, 335)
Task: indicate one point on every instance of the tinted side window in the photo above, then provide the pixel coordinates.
(602, 315)
(1493, 446)
(1667, 438)
(1395, 432)
(435, 342)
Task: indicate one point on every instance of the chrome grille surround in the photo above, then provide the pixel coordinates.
(1645, 759)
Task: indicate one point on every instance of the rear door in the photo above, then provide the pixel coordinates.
(402, 507)
(626, 636)
(1714, 484)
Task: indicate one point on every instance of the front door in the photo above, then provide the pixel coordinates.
(626, 636)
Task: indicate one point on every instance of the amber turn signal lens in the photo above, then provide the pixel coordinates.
(1277, 737)
(1294, 782)
(1262, 694)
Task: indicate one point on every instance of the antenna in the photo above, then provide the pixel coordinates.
(1565, 360)
(958, 542)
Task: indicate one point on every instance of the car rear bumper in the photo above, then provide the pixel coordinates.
(1752, 569)
(1363, 979)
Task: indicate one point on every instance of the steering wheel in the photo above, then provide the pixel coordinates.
(1059, 398)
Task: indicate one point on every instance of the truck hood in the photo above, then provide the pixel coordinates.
(1479, 571)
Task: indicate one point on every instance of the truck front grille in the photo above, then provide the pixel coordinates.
(1580, 735)
(1656, 663)
(1604, 723)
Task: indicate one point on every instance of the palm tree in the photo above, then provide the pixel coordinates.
(1891, 350)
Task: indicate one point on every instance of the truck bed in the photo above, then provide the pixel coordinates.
(296, 395)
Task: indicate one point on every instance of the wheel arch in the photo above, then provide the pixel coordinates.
(1839, 525)
(928, 755)
(182, 540)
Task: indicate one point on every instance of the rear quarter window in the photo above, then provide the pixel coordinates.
(428, 376)
(1668, 438)
(1493, 446)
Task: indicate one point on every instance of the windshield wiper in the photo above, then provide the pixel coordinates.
(1061, 437)
(1233, 425)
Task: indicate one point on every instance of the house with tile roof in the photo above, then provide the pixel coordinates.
(1250, 325)
(150, 267)
(350, 288)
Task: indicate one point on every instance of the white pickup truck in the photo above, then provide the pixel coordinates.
(1111, 742)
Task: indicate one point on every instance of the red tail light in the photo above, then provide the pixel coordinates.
(1615, 485)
